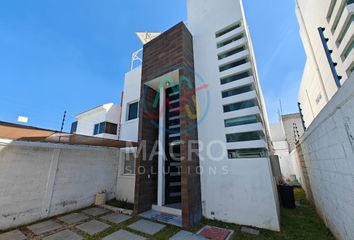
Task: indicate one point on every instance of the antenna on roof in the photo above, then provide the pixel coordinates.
(144, 38)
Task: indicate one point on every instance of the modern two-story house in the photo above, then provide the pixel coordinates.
(197, 110)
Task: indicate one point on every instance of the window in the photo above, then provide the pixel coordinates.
(105, 127)
(133, 111)
(351, 70)
(248, 153)
(228, 29)
(231, 52)
(235, 77)
(331, 8)
(240, 105)
(340, 11)
(230, 40)
(129, 163)
(242, 137)
(233, 64)
(237, 91)
(344, 32)
(110, 128)
(98, 128)
(348, 50)
(232, 122)
(73, 127)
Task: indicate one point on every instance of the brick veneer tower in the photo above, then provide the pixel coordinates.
(171, 51)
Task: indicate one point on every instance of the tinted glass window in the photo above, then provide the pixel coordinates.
(236, 91)
(240, 105)
(73, 127)
(133, 111)
(235, 77)
(233, 64)
(241, 137)
(241, 121)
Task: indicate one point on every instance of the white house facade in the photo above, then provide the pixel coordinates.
(198, 92)
(101, 121)
(327, 33)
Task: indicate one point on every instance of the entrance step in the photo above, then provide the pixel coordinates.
(168, 210)
(163, 217)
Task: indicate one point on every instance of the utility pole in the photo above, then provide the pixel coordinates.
(62, 125)
(63, 122)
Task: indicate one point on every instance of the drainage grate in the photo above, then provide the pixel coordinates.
(163, 217)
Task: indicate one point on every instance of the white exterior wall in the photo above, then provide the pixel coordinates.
(131, 94)
(40, 180)
(288, 122)
(105, 113)
(318, 82)
(281, 148)
(328, 159)
(129, 131)
(246, 194)
(125, 182)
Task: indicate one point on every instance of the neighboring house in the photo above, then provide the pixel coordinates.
(293, 129)
(285, 135)
(327, 32)
(101, 121)
(198, 91)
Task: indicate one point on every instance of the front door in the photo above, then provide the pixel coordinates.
(172, 147)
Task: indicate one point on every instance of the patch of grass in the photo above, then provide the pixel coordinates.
(300, 223)
(121, 204)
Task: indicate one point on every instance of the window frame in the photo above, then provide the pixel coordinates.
(261, 151)
(245, 136)
(128, 111)
(244, 105)
(237, 91)
(236, 77)
(102, 128)
(73, 128)
(228, 29)
(124, 160)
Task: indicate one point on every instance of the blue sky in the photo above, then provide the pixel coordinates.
(72, 55)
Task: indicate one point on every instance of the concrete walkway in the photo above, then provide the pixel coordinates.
(95, 223)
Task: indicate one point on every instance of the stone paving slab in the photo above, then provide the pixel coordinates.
(93, 227)
(147, 227)
(64, 235)
(123, 235)
(116, 218)
(95, 211)
(44, 227)
(73, 218)
(250, 230)
(13, 235)
(184, 235)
